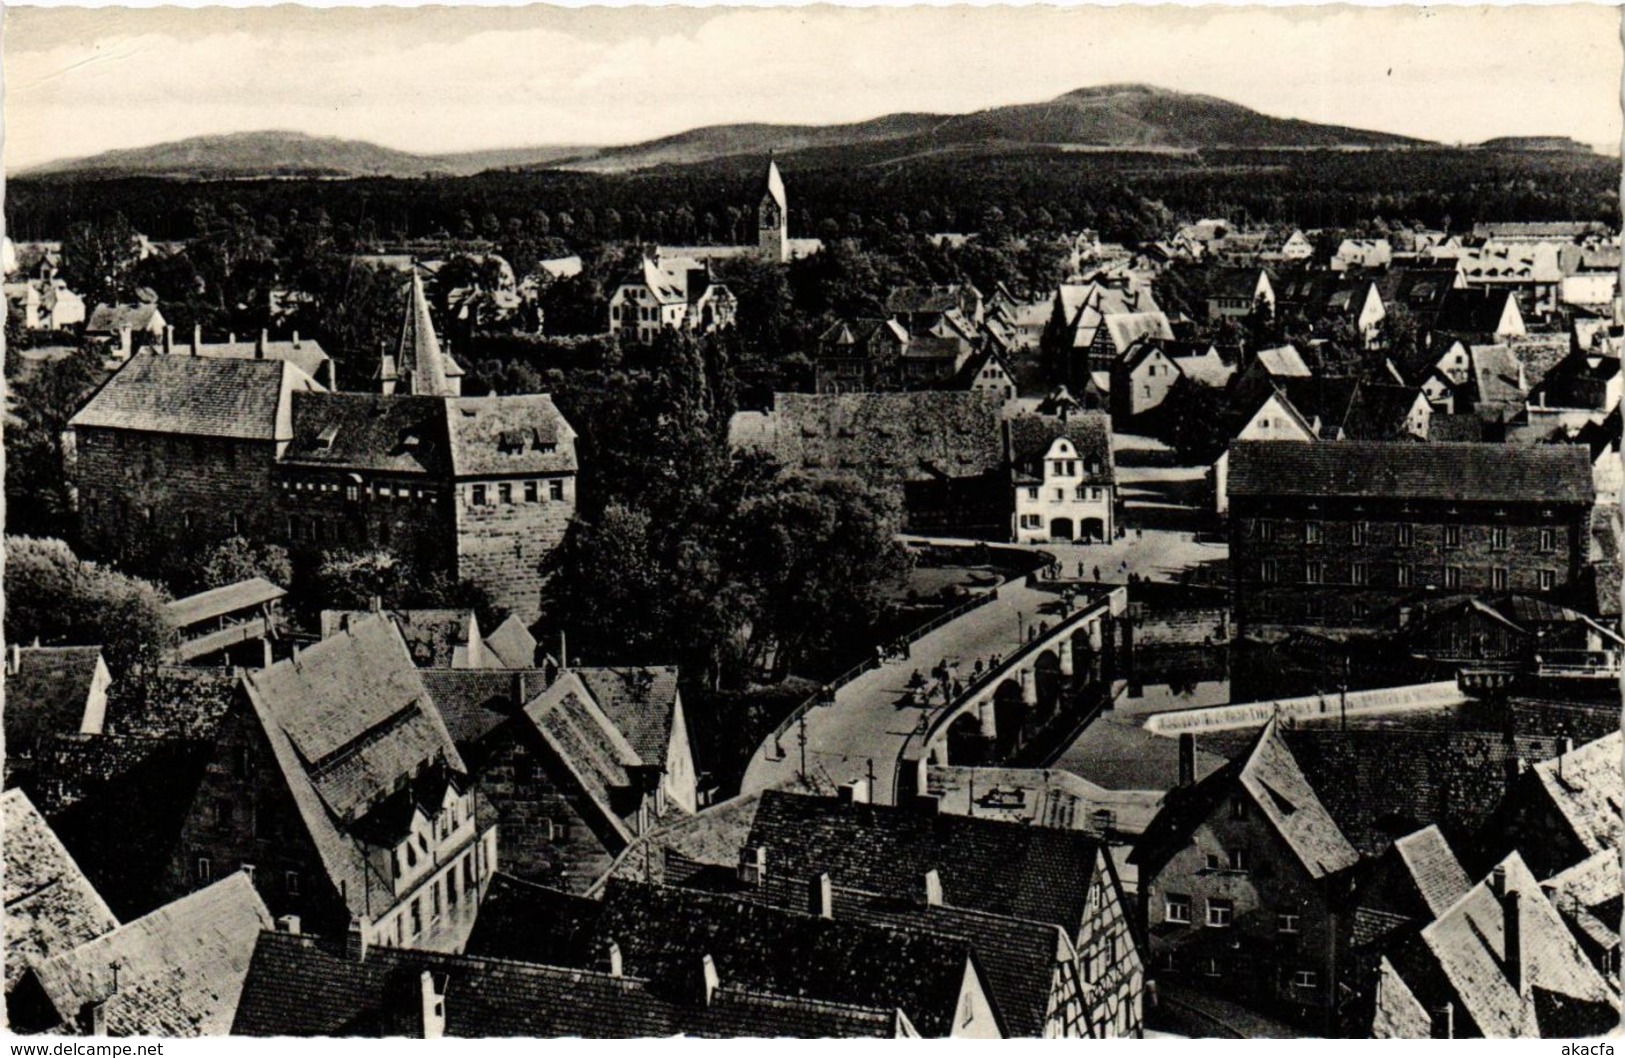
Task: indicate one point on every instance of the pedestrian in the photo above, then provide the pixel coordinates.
(1139, 533)
(976, 670)
(1080, 570)
(1097, 574)
(959, 689)
(916, 681)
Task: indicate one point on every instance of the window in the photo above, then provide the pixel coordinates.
(1238, 859)
(1404, 576)
(1359, 574)
(1548, 541)
(1288, 922)
(352, 493)
(1452, 536)
(222, 812)
(531, 492)
(505, 493)
(1548, 579)
(1213, 861)
(1311, 532)
(555, 489)
(417, 916)
(1094, 493)
(1499, 538)
(1210, 967)
(1359, 532)
(477, 495)
(1082, 492)
(205, 869)
(1060, 494)
(1220, 913)
(1177, 909)
(1305, 979)
(1032, 494)
(290, 882)
(1314, 573)
(1060, 468)
(434, 898)
(1267, 571)
(1031, 521)
(1264, 530)
(1452, 577)
(1499, 578)
(1405, 534)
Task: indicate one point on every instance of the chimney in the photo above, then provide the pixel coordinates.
(926, 805)
(708, 979)
(1512, 931)
(288, 924)
(855, 792)
(259, 346)
(93, 1018)
(355, 941)
(821, 897)
(197, 339)
(564, 653)
(753, 865)
(231, 338)
(14, 659)
(1187, 758)
(376, 604)
(433, 992)
(617, 967)
(1498, 882)
(296, 339)
(518, 689)
(1444, 1022)
(169, 339)
(933, 888)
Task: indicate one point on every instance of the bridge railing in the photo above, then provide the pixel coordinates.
(828, 689)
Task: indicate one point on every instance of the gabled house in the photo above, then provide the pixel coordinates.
(1143, 376)
(1362, 253)
(46, 304)
(51, 907)
(670, 294)
(1564, 810)
(1498, 963)
(335, 780)
(1587, 379)
(51, 691)
(1589, 897)
(1062, 878)
(1234, 293)
(1242, 877)
(1119, 332)
(175, 972)
(990, 373)
(126, 327)
(444, 639)
(297, 986)
(1064, 478)
(922, 309)
(860, 356)
(1296, 247)
(1476, 314)
(1273, 418)
(1077, 315)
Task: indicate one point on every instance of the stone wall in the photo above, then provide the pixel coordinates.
(502, 541)
(324, 510)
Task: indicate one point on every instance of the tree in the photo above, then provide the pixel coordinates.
(98, 260)
(354, 580)
(239, 559)
(1194, 422)
(38, 492)
(55, 596)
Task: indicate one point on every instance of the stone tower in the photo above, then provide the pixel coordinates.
(772, 218)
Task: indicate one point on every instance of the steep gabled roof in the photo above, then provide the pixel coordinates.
(179, 970)
(48, 693)
(1035, 873)
(1587, 788)
(190, 395)
(512, 643)
(1472, 311)
(1283, 362)
(1090, 434)
(296, 987)
(399, 434)
(475, 702)
(418, 358)
(1353, 409)
(432, 637)
(640, 702)
(773, 184)
(1465, 472)
(589, 745)
(508, 436)
(1433, 868)
(1126, 328)
(51, 907)
(1278, 786)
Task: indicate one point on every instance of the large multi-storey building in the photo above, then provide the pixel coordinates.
(1335, 534)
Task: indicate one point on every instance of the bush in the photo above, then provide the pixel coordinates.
(55, 596)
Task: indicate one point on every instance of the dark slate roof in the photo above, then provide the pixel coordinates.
(1419, 290)
(640, 702)
(509, 436)
(1466, 472)
(433, 637)
(180, 969)
(535, 923)
(589, 745)
(1359, 410)
(883, 437)
(1474, 311)
(296, 987)
(47, 693)
(400, 434)
(189, 395)
(51, 907)
(679, 848)
(474, 702)
(219, 602)
(1035, 873)
(1588, 790)
(1234, 283)
(1089, 432)
(664, 932)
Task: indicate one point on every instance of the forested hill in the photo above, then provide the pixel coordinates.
(1113, 116)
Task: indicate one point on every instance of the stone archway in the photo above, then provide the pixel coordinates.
(1092, 529)
(1061, 529)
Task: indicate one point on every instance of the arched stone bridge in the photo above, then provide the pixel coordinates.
(1049, 683)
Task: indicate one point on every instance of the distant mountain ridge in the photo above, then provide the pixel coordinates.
(1109, 116)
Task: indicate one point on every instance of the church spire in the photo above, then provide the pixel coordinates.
(418, 357)
(773, 217)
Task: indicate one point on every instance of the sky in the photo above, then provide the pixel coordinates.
(80, 81)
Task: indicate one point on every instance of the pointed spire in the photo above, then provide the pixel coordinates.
(418, 358)
(773, 183)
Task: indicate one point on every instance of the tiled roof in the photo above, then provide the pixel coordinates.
(508, 436)
(1587, 788)
(297, 988)
(305, 354)
(664, 931)
(882, 437)
(399, 433)
(1466, 472)
(244, 399)
(675, 849)
(218, 602)
(1283, 362)
(48, 692)
(1036, 873)
(640, 702)
(1090, 433)
(1468, 948)
(1352, 408)
(474, 702)
(512, 643)
(433, 637)
(1433, 868)
(51, 907)
(350, 722)
(1124, 329)
(179, 970)
(535, 923)
(1233, 283)
(1472, 311)
(1281, 790)
(584, 740)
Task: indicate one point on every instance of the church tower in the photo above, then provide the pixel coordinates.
(772, 218)
(419, 366)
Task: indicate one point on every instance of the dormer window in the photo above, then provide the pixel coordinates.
(325, 439)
